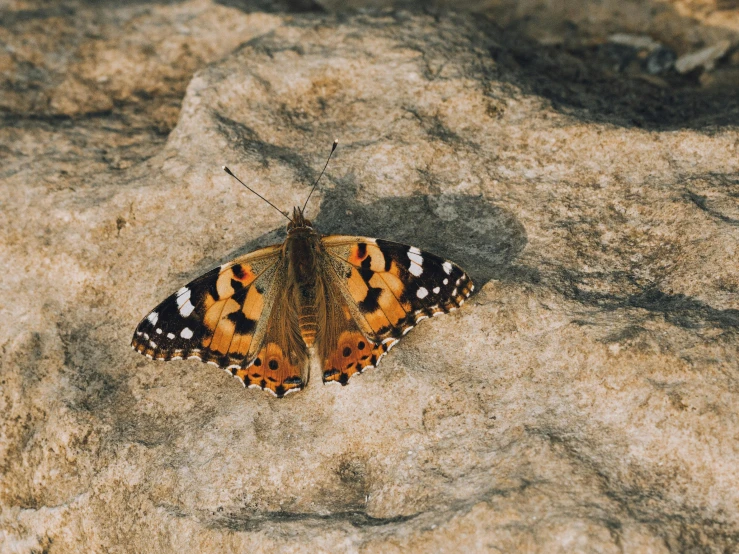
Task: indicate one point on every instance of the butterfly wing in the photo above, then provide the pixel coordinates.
(223, 318)
(280, 363)
(387, 288)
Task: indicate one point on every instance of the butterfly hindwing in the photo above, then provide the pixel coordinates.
(280, 363)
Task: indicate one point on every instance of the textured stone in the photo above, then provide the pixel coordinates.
(704, 58)
(585, 400)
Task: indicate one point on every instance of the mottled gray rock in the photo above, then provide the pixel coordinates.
(585, 400)
(705, 58)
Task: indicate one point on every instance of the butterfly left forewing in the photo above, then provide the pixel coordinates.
(213, 318)
(387, 288)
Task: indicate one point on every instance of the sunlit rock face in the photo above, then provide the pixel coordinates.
(583, 400)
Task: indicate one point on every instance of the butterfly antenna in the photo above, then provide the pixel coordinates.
(227, 170)
(336, 142)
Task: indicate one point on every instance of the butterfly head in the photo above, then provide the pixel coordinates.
(298, 221)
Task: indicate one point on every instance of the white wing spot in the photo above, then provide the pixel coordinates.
(446, 281)
(414, 250)
(186, 309)
(415, 269)
(415, 258)
(422, 293)
(186, 333)
(152, 344)
(153, 317)
(407, 329)
(454, 292)
(183, 295)
(170, 336)
(447, 267)
(159, 331)
(436, 290)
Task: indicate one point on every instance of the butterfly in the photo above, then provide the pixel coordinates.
(346, 300)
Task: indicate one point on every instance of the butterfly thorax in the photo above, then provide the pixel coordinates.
(301, 252)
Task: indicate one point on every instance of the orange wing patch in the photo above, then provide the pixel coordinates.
(272, 370)
(370, 298)
(353, 354)
(361, 251)
(223, 328)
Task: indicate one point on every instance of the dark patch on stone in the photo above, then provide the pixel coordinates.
(266, 520)
(265, 152)
(701, 202)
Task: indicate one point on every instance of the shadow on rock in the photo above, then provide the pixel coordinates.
(481, 237)
(584, 82)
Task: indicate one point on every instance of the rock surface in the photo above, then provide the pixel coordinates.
(584, 400)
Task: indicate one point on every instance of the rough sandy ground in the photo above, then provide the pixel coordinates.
(585, 400)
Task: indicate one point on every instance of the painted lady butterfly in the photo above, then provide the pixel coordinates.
(347, 300)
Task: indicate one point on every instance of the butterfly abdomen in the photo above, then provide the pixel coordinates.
(301, 250)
